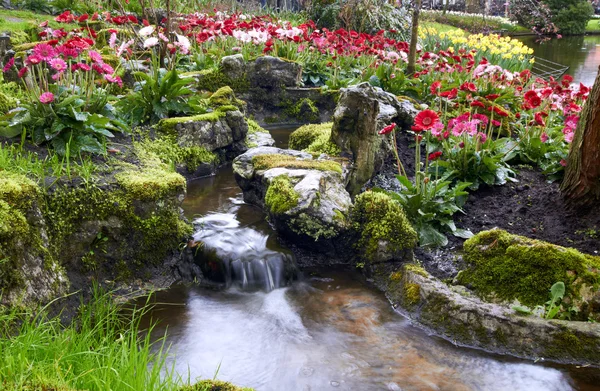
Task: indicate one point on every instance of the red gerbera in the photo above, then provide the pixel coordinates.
(388, 129)
(532, 99)
(435, 87)
(449, 94)
(492, 96)
(434, 155)
(477, 103)
(426, 119)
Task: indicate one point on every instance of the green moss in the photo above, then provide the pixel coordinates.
(214, 385)
(7, 103)
(304, 110)
(254, 127)
(414, 268)
(281, 196)
(514, 267)
(304, 224)
(168, 125)
(268, 161)
(314, 138)
(17, 190)
(225, 96)
(567, 344)
(150, 183)
(412, 294)
(377, 217)
(168, 151)
(14, 234)
(213, 79)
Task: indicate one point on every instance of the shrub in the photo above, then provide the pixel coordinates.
(570, 16)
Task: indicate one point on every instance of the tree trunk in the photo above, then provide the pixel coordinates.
(473, 7)
(414, 37)
(445, 7)
(581, 185)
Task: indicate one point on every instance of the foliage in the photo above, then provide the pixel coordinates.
(474, 23)
(570, 16)
(159, 96)
(534, 15)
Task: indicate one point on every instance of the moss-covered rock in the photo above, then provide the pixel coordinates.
(315, 139)
(268, 161)
(225, 96)
(214, 385)
(384, 229)
(281, 196)
(508, 267)
(304, 110)
(169, 125)
(169, 152)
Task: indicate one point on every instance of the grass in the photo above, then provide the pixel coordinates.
(440, 27)
(593, 26)
(102, 349)
(19, 21)
(14, 159)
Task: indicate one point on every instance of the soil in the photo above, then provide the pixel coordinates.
(531, 207)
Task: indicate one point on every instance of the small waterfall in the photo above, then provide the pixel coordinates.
(230, 254)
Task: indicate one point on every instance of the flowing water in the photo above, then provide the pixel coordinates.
(580, 53)
(274, 329)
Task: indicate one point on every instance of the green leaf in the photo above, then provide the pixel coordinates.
(463, 233)
(431, 237)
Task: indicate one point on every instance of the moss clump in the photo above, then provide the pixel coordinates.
(414, 268)
(17, 190)
(305, 224)
(515, 267)
(7, 103)
(378, 218)
(150, 183)
(281, 196)
(254, 127)
(225, 96)
(268, 161)
(314, 138)
(412, 294)
(304, 110)
(168, 151)
(213, 79)
(214, 385)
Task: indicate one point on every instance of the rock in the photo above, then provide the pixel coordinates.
(304, 197)
(274, 73)
(504, 267)
(260, 139)
(219, 131)
(234, 67)
(361, 112)
(461, 317)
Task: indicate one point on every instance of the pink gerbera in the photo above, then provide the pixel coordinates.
(95, 56)
(47, 97)
(58, 64)
(44, 51)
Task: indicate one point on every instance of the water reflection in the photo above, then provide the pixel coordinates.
(580, 53)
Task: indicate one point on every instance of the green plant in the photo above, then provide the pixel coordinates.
(570, 16)
(557, 292)
(158, 95)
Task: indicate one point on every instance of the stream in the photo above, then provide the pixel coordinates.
(277, 328)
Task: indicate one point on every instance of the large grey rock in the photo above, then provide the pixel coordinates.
(272, 73)
(233, 66)
(260, 139)
(361, 112)
(323, 203)
(226, 133)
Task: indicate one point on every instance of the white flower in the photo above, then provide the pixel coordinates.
(150, 42)
(183, 43)
(146, 31)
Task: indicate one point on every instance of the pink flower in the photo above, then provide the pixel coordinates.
(44, 51)
(114, 80)
(47, 97)
(57, 76)
(58, 64)
(9, 65)
(107, 69)
(22, 72)
(569, 137)
(95, 56)
(563, 162)
(544, 137)
(33, 60)
(112, 40)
